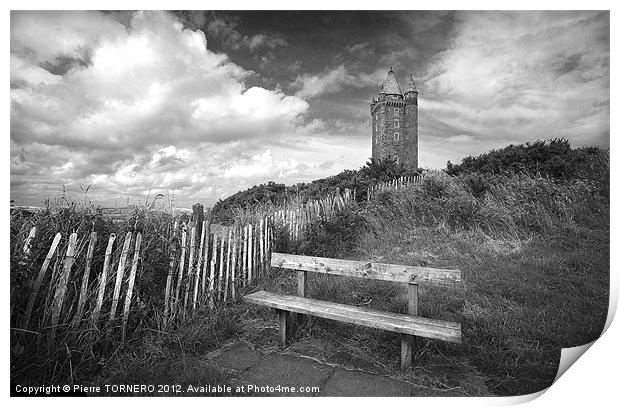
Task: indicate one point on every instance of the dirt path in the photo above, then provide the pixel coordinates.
(312, 367)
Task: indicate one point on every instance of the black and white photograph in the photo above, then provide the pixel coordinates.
(306, 203)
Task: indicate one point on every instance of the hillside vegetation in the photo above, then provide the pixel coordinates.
(271, 193)
(532, 240)
(553, 158)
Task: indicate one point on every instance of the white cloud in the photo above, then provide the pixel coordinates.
(512, 77)
(256, 105)
(31, 74)
(44, 36)
(520, 76)
(156, 84)
(136, 114)
(461, 138)
(334, 80)
(264, 41)
(264, 166)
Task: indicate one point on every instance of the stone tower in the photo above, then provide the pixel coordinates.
(395, 122)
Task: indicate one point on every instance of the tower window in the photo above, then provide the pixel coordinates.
(396, 136)
(396, 123)
(396, 111)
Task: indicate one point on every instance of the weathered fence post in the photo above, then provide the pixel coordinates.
(39, 280)
(245, 272)
(169, 279)
(262, 247)
(199, 266)
(228, 264)
(212, 273)
(221, 272)
(132, 279)
(28, 246)
(190, 268)
(234, 263)
(177, 293)
(198, 217)
(61, 289)
(85, 278)
(206, 260)
(255, 257)
(119, 274)
(250, 253)
(103, 279)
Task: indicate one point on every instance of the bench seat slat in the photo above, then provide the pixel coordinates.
(402, 323)
(369, 270)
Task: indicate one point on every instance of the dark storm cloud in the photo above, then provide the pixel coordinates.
(225, 30)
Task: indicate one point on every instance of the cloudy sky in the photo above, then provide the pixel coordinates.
(208, 103)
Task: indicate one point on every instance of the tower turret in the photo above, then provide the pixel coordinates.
(411, 91)
(390, 84)
(410, 85)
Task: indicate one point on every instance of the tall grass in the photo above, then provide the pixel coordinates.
(534, 253)
(509, 207)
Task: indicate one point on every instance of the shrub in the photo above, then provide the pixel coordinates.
(333, 238)
(553, 158)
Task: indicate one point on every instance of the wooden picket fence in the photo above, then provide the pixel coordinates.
(210, 269)
(207, 269)
(296, 218)
(83, 307)
(401, 182)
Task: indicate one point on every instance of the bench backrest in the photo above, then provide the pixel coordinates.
(369, 270)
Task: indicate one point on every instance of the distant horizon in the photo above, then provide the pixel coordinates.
(187, 207)
(115, 204)
(212, 103)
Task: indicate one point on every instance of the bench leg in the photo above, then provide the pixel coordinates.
(293, 317)
(283, 318)
(406, 347)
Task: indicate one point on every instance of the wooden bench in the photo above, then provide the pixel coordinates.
(409, 326)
